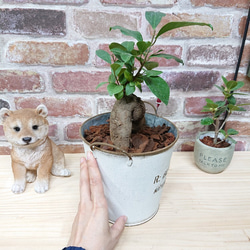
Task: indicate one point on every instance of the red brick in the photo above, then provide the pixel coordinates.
(53, 129)
(174, 50)
(191, 80)
(96, 24)
(187, 146)
(164, 111)
(72, 131)
(5, 150)
(189, 129)
(20, 81)
(242, 127)
(32, 22)
(246, 56)
(221, 3)
(54, 2)
(222, 30)
(194, 105)
(58, 106)
(72, 148)
(212, 55)
(49, 53)
(105, 104)
(75, 82)
(145, 3)
(242, 27)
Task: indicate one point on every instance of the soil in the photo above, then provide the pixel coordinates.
(147, 140)
(209, 141)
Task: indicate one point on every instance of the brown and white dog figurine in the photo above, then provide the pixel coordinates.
(34, 156)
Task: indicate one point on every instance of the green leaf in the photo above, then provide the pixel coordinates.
(129, 45)
(104, 55)
(114, 88)
(167, 56)
(117, 46)
(119, 95)
(209, 101)
(221, 88)
(128, 75)
(138, 85)
(151, 65)
(101, 84)
(224, 80)
(232, 140)
(232, 131)
(238, 86)
(126, 57)
(154, 18)
(112, 78)
(152, 72)
(231, 100)
(135, 34)
(207, 121)
(223, 132)
(158, 87)
(231, 85)
(235, 108)
(143, 46)
(129, 89)
(116, 68)
(175, 25)
(220, 111)
(220, 103)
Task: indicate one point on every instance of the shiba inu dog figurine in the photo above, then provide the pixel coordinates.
(34, 155)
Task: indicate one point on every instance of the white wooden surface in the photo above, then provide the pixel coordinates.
(197, 211)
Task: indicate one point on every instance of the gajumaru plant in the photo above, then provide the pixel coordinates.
(132, 64)
(218, 109)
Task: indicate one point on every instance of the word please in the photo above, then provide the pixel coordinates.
(213, 159)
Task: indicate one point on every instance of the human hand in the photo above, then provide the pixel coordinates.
(91, 228)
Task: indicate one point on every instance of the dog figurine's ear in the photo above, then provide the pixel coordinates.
(42, 110)
(4, 113)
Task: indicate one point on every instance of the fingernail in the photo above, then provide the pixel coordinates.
(88, 156)
(81, 160)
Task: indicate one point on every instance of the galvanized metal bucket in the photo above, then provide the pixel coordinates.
(132, 182)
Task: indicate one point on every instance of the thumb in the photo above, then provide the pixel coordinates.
(118, 227)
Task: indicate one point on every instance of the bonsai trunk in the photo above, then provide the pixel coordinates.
(126, 116)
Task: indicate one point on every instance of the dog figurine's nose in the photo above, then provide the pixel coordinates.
(27, 139)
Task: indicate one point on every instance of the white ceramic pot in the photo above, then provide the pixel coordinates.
(132, 182)
(209, 159)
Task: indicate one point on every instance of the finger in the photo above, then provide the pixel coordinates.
(118, 227)
(95, 180)
(84, 181)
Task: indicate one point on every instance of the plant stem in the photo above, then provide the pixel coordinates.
(216, 132)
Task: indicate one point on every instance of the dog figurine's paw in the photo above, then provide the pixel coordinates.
(41, 186)
(61, 172)
(30, 176)
(18, 188)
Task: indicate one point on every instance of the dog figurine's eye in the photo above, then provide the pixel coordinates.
(35, 127)
(17, 129)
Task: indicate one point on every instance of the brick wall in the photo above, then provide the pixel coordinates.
(47, 55)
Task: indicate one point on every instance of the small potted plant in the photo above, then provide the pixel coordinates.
(133, 181)
(213, 150)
